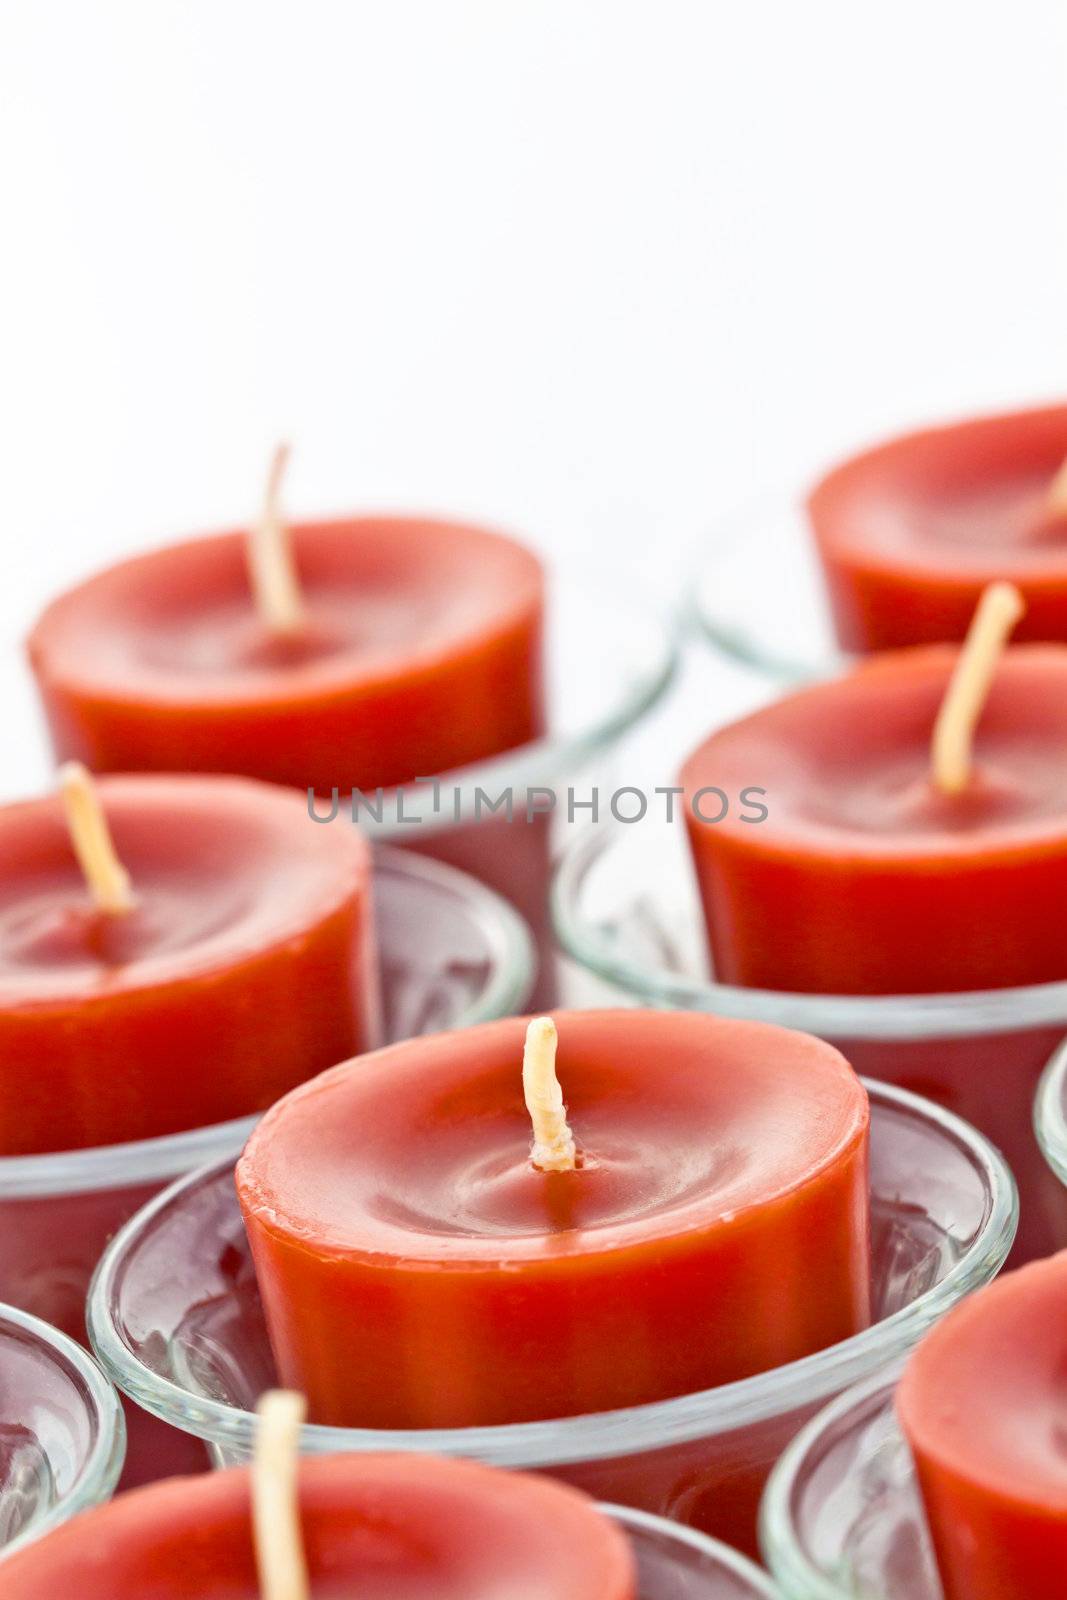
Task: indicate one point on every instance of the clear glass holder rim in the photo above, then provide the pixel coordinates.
(780, 1544)
(100, 1472)
(724, 1555)
(730, 529)
(601, 1435)
(967, 1013)
(119, 1166)
(1050, 1112)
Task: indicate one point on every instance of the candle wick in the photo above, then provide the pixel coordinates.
(279, 1541)
(952, 749)
(1056, 495)
(553, 1143)
(106, 877)
(271, 567)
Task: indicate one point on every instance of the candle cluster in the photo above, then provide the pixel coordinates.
(583, 1214)
(917, 845)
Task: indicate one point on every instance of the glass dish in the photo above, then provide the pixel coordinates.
(758, 595)
(62, 1437)
(175, 1317)
(842, 1515)
(627, 911)
(676, 1563)
(1050, 1113)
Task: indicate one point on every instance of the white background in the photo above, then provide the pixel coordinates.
(594, 269)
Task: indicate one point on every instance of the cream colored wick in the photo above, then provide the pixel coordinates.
(271, 567)
(106, 877)
(553, 1143)
(952, 748)
(279, 1540)
(1056, 495)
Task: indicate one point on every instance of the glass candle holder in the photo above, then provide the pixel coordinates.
(176, 1319)
(677, 1563)
(1050, 1113)
(627, 911)
(62, 1437)
(842, 1515)
(782, 630)
(452, 953)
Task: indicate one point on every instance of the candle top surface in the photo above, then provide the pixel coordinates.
(380, 1527)
(385, 596)
(422, 1151)
(846, 765)
(221, 869)
(984, 1393)
(967, 497)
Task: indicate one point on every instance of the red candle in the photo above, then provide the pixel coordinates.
(380, 1527)
(709, 1220)
(910, 533)
(982, 1406)
(234, 959)
(865, 877)
(868, 876)
(374, 651)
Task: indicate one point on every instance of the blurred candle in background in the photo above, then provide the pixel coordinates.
(910, 532)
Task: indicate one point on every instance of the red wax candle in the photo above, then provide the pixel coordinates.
(245, 965)
(982, 1404)
(866, 879)
(380, 1527)
(715, 1225)
(910, 533)
(419, 652)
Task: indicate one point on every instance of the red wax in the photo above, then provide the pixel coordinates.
(911, 532)
(983, 1404)
(376, 1527)
(422, 653)
(864, 879)
(246, 965)
(417, 1271)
